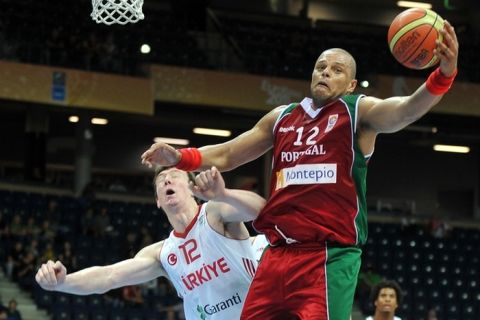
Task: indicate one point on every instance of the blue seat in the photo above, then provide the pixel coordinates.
(99, 314)
(61, 313)
(78, 301)
(44, 299)
(63, 299)
(117, 314)
(80, 313)
(453, 312)
(95, 301)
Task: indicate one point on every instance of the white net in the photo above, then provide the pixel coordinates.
(117, 11)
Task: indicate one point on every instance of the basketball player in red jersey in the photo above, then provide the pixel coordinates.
(315, 218)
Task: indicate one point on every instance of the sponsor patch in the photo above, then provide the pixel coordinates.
(332, 120)
(307, 174)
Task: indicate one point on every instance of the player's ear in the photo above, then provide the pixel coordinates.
(351, 86)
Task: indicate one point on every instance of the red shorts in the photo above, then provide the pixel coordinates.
(303, 282)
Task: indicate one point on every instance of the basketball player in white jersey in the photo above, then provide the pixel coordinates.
(208, 256)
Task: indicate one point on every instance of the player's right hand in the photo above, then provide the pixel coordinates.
(162, 154)
(50, 275)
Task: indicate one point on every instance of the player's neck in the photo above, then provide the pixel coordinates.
(319, 103)
(181, 216)
(383, 315)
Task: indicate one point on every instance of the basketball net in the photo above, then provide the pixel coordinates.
(117, 11)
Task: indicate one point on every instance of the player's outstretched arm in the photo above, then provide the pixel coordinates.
(230, 205)
(143, 267)
(394, 114)
(225, 156)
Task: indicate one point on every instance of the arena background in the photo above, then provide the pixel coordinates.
(221, 64)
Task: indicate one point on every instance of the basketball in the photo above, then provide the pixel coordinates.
(412, 35)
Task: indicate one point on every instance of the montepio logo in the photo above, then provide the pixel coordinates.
(210, 309)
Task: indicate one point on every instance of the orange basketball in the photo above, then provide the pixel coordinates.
(412, 35)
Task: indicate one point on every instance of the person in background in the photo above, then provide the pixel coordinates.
(386, 297)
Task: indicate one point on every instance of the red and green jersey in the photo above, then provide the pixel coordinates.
(318, 185)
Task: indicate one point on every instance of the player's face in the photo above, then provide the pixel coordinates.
(332, 77)
(172, 187)
(387, 300)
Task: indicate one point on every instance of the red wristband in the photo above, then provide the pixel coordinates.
(438, 84)
(190, 159)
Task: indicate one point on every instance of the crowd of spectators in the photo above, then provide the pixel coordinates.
(45, 228)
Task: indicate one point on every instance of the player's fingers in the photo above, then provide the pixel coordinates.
(208, 176)
(51, 272)
(198, 181)
(451, 31)
(58, 266)
(195, 190)
(450, 38)
(46, 274)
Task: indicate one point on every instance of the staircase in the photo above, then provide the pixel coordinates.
(25, 304)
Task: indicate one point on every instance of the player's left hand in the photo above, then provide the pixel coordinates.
(447, 50)
(209, 185)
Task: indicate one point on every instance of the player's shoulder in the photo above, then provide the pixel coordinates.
(151, 251)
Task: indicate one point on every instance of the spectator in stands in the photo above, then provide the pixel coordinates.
(367, 279)
(67, 257)
(386, 296)
(48, 253)
(25, 270)
(438, 228)
(208, 256)
(31, 229)
(102, 223)
(316, 217)
(13, 313)
(87, 222)
(4, 239)
(16, 227)
(432, 314)
(2, 306)
(3, 314)
(132, 295)
(13, 259)
(4, 229)
(48, 231)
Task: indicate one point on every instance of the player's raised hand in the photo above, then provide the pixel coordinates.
(161, 154)
(447, 50)
(209, 185)
(50, 275)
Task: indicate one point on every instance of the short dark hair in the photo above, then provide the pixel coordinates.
(391, 284)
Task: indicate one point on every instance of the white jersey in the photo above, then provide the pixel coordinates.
(259, 244)
(212, 273)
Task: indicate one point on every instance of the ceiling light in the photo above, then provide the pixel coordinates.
(145, 48)
(99, 121)
(414, 4)
(212, 132)
(364, 84)
(175, 141)
(450, 148)
(73, 119)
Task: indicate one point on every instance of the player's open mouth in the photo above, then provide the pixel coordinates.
(169, 192)
(323, 84)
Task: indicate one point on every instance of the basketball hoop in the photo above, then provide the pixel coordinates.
(117, 11)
